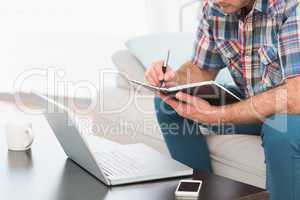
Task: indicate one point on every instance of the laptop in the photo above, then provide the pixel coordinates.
(111, 163)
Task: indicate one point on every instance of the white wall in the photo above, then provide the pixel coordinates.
(163, 15)
(115, 17)
(76, 36)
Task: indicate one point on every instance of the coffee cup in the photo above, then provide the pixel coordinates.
(19, 136)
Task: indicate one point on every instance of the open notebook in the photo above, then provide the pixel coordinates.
(211, 91)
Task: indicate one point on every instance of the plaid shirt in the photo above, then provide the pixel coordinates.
(261, 49)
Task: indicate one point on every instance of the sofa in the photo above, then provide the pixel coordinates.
(239, 157)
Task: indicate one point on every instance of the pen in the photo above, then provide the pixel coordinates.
(164, 68)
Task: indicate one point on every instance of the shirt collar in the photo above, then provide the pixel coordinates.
(264, 5)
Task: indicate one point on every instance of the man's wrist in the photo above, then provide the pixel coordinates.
(222, 114)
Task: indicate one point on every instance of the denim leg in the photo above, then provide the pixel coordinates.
(281, 141)
(231, 129)
(183, 138)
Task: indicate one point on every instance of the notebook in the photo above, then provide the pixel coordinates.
(211, 91)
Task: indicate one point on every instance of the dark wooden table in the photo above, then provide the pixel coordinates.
(45, 173)
(220, 188)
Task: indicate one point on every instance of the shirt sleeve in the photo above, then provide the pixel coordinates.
(289, 42)
(205, 54)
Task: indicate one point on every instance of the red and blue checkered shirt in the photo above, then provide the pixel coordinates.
(261, 50)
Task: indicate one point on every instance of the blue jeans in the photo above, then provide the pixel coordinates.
(281, 142)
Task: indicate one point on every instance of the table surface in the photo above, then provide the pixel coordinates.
(45, 172)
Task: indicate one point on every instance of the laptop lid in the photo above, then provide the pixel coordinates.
(66, 131)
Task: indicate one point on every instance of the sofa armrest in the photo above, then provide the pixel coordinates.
(128, 67)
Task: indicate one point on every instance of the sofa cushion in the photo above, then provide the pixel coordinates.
(240, 157)
(128, 67)
(153, 47)
(127, 116)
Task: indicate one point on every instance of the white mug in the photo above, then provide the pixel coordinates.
(19, 136)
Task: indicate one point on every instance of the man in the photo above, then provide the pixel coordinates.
(259, 42)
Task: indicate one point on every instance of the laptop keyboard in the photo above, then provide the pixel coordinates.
(115, 163)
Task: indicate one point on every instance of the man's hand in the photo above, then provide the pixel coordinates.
(187, 73)
(155, 74)
(282, 99)
(193, 108)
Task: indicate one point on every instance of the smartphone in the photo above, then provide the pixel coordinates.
(188, 188)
